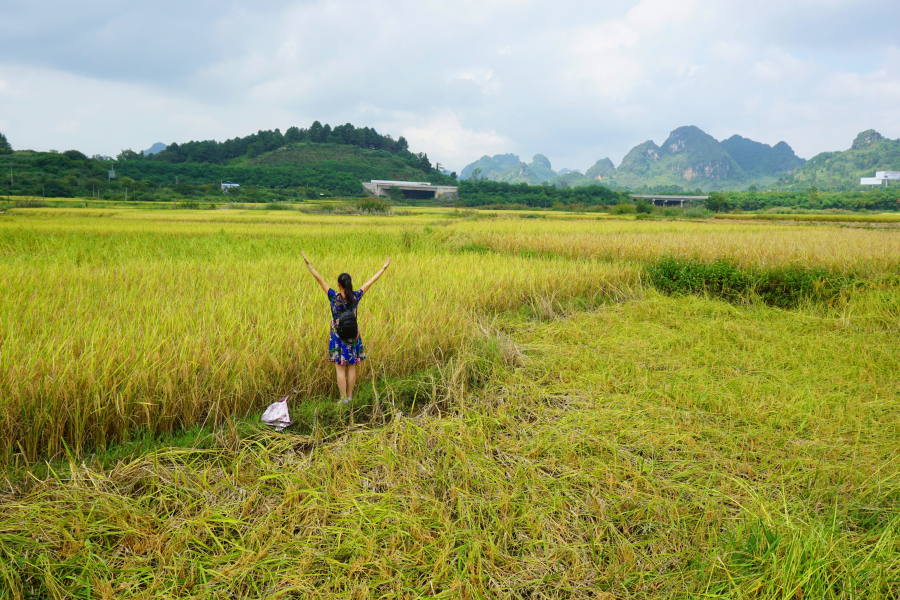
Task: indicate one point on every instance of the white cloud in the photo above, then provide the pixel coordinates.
(480, 76)
(779, 67)
(575, 80)
(880, 86)
(52, 109)
(449, 142)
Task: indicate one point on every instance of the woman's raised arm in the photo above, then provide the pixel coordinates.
(365, 287)
(314, 272)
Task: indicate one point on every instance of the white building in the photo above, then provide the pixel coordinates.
(881, 178)
(228, 184)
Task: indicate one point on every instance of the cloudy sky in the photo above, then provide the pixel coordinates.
(574, 80)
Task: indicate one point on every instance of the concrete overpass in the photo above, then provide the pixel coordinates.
(413, 190)
(665, 200)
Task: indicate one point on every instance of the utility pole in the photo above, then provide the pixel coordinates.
(10, 183)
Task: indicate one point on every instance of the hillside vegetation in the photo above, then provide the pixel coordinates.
(870, 152)
(302, 163)
(761, 160)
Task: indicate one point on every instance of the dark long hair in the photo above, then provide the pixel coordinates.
(347, 285)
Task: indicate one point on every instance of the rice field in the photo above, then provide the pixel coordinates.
(581, 434)
(844, 217)
(864, 251)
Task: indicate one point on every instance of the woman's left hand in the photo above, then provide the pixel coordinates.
(386, 265)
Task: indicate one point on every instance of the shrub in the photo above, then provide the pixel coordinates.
(699, 213)
(673, 275)
(31, 204)
(784, 287)
(622, 209)
(718, 202)
(396, 194)
(373, 205)
(670, 211)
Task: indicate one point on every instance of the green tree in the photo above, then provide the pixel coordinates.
(293, 135)
(316, 132)
(255, 149)
(718, 202)
(123, 155)
(75, 155)
(5, 148)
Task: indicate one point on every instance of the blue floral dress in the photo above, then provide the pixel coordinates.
(339, 351)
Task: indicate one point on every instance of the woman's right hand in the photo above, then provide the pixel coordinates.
(386, 265)
(303, 254)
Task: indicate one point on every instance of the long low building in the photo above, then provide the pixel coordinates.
(414, 190)
(881, 178)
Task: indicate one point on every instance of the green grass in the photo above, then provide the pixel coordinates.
(782, 285)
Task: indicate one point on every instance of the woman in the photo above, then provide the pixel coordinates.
(345, 354)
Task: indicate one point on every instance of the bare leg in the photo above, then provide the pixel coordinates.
(351, 379)
(341, 379)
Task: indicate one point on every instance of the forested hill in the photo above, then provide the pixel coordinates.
(870, 152)
(255, 144)
(299, 163)
(762, 160)
(337, 159)
(689, 157)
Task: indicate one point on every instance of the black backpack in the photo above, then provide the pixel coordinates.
(347, 328)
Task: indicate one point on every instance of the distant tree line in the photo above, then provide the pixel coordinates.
(669, 190)
(877, 199)
(484, 193)
(251, 146)
(492, 193)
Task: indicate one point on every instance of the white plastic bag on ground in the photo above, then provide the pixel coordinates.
(277, 414)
